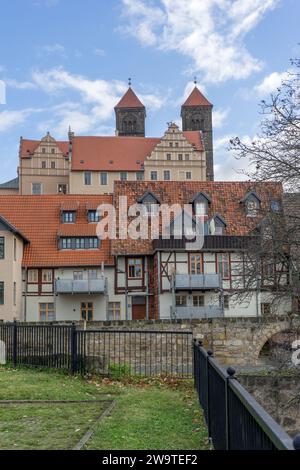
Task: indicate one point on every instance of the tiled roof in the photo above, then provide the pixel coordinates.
(196, 98)
(119, 153)
(28, 147)
(12, 184)
(225, 201)
(38, 219)
(76, 230)
(129, 100)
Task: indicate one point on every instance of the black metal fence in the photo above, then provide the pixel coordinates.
(234, 419)
(102, 351)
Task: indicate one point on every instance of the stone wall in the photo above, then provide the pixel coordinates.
(278, 395)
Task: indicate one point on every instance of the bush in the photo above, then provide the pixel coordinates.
(119, 371)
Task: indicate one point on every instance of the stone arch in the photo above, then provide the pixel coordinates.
(267, 333)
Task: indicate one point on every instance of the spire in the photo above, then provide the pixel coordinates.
(196, 98)
(129, 100)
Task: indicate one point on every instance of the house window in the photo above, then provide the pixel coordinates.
(223, 265)
(52, 151)
(114, 311)
(15, 294)
(68, 217)
(176, 144)
(2, 248)
(87, 178)
(265, 308)
(44, 165)
(15, 249)
(78, 275)
(268, 271)
(53, 165)
(224, 301)
(181, 300)
(47, 276)
(87, 311)
(33, 276)
(170, 144)
(188, 175)
(167, 175)
(43, 150)
(92, 274)
(139, 176)
(180, 157)
(153, 176)
(135, 268)
(36, 189)
(82, 243)
(62, 189)
(93, 216)
(169, 156)
(47, 312)
(123, 176)
(201, 208)
(196, 263)
(187, 156)
(1, 293)
(198, 300)
(103, 179)
(252, 207)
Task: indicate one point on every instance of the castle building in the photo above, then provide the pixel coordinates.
(91, 164)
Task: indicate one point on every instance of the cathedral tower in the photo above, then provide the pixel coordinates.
(130, 115)
(196, 115)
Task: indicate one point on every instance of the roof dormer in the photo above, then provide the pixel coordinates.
(200, 202)
(252, 204)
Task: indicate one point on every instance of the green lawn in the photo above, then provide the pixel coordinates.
(149, 415)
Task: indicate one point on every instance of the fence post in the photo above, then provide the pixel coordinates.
(230, 371)
(15, 343)
(73, 349)
(209, 354)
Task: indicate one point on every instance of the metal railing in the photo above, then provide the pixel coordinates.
(234, 419)
(102, 351)
(190, 313)
(83, 286)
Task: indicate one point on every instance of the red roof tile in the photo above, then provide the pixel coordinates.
(38, 219)
(129, 100)
(119, 153)
(196, 99)
(28, 147)
(225, 201)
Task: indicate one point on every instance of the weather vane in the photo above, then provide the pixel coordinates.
(195, 80)
(129, 81)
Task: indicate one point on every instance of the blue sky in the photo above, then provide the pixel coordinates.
(68, 61)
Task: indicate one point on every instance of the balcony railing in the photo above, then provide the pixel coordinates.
(197, 281)
(191, 313)
(85, 286)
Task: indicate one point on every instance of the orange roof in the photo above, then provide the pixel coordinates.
(196, 99)
(38, 219)
(119, 153)
(129, 100)
(225, 199)
(28, 147)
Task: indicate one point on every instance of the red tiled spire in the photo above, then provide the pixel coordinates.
(196, 99)
(130, 100)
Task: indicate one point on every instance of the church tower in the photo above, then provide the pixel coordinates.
(196, 115)
(130, 115)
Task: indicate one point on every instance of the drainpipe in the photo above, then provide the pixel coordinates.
(257, 288)
(147, 287)
(25, 296)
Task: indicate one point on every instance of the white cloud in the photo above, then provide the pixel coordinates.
(270, 83)
(219, 117)
(50, 49)
(209, 32)
(12, 83)
(99, 52)
(9, 119)
(95, 105)
(227, 167)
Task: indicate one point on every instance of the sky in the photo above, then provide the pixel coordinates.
(67, 62)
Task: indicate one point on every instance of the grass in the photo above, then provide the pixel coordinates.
(149, 415)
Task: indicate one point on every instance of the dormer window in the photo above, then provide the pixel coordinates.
(93, 216)
(68, 217)
(200, 204)
(217, 225)
(151, 202)
(252, 204)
